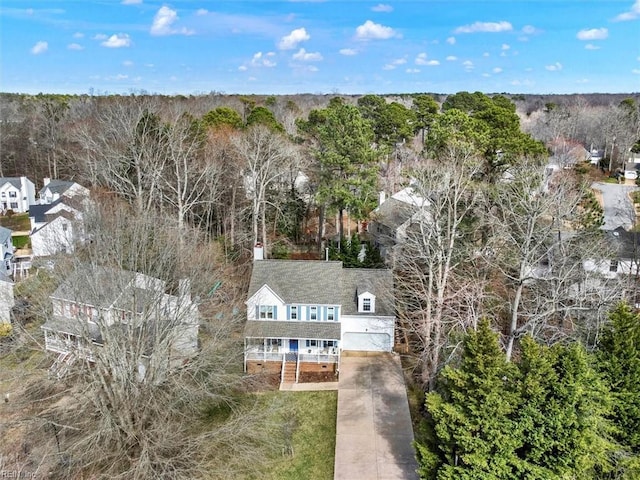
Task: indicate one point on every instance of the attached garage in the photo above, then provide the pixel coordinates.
(366, 342)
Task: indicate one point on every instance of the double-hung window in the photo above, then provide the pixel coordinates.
(366, 304)
(313, 313)
(266, 312)
(293, 312)
(331, 314)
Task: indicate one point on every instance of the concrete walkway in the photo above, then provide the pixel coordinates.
(373, 434)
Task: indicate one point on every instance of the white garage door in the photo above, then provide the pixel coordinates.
(367, 342)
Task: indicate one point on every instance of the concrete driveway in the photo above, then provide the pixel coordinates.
(618, 209)
(373, 434)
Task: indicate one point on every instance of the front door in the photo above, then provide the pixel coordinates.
(293, 345)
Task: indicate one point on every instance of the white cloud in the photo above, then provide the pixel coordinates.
(468, 65)
(421, 59)
(529, 30)
(39, 47)
(491, 27)
(117, 41)
(412, 70)
(485, 54)
(291, 41)
(127, 63)
(395, 63)
(381, 7)
(452, 58)
(636, 71)
(78, 35)
(131, 2)
(242, 68)
(348, 52)
(374, 31)
(591, 46)
(163, 21)
(451, 40)
(100, 36)
(505, 46)
(305, 56)
(202, 11)
(263, 60)
(312, 68)
(593, 34)
(486, 75)
(75, 46)
(632, 14)
(497, 70)
(554, 67)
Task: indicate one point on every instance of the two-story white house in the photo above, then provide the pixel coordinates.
(16, 193)
(301, 315)
(97, 305)
(57, 222)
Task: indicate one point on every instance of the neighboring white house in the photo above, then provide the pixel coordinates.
(16, 193)
(6, 251)
(626, 255)
(390, 220)
(97, 304)
(55, 189)
(302, 314)
(57, 223)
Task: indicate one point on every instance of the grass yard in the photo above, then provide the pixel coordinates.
(313, 437)
(17, 222)
(20, 241)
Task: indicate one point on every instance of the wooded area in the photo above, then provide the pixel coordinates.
(527, 363)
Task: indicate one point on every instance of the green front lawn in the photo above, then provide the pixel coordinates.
(310, 452)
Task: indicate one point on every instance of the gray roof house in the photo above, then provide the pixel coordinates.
(97, 305)
(16, 193)
(54, 189)
(390, 220)
(301, 315)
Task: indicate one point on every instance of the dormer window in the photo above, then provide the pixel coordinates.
(366, 304)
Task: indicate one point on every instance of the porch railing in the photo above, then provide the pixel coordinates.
(302, 357)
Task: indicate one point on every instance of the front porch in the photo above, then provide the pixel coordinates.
(293, 360)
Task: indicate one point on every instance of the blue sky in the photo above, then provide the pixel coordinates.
(315, 46)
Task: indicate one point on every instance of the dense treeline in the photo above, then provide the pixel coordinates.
(555, 412)
(495, 237)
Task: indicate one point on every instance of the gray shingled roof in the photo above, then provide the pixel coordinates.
(38, 211)
(393, 213)
(5, 233)
(278, 329)
(57, 186)
(93, 285)
(378, 281)
(73, 327)
(323, 283)
(15, 181)
(299, 281)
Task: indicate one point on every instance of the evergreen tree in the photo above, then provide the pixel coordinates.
(562, 415)
(474, 435)
(619, 361)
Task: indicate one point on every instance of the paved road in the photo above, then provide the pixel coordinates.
(374, 434)
(618, 209)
